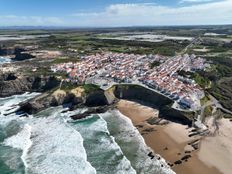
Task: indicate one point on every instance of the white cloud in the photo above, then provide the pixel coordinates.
(153, 14)
(12, 20)
(136, 14)
(195, 1)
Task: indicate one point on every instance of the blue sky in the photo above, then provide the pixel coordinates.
(101, 13)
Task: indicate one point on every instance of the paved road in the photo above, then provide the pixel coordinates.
(193, 42)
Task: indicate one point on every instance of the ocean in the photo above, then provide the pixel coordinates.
(50, 142)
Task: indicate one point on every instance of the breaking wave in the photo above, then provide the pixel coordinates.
(51, 142)
(133, 145)
(102, 150)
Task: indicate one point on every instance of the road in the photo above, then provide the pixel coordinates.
(193, 42)
(213, 102)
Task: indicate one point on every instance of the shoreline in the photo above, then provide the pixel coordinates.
(163, 140)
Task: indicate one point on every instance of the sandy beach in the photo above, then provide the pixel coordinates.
(204, 155)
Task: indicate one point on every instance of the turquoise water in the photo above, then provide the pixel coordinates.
(133, 145)
(102, 151)
(50, 142)
(10, 161)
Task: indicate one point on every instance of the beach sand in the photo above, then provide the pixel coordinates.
(170, 140)
(216, 150)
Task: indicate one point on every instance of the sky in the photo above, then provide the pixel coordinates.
(114, 13)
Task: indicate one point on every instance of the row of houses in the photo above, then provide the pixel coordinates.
(130, 68)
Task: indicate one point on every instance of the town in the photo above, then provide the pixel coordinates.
(107, 69)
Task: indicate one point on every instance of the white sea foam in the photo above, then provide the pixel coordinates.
(56, 149)
(103, 152)
(21, 141)
(4, 60)
(10, 104)
(133, 145)
(53, 144)
(48, 144)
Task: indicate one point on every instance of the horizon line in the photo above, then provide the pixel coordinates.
(106, 27)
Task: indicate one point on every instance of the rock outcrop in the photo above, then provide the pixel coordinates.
(22, 56)
(73, 98)
(7, 51)
(90, 111)
(10, 84)
(20, 53)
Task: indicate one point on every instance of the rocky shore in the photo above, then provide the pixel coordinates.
(75, 98)
(12, 84)
(52, 95)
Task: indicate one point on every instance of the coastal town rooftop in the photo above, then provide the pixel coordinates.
(131, 68)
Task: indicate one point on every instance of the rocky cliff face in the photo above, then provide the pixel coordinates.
(145, 96)
(96, 98)
(22, 56)
(10, 84)
(13, 87)
(134, 92)
(19, 53)
(73, 98)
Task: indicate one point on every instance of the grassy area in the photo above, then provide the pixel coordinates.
(201, 80)
(90, 88)
(154, 64)
(68, 86)
(89, 43)
(208, 111)
(65, 60)
(205, 99)
(219, 76)
(222, 90)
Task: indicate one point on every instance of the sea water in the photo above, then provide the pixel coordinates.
(133, 145)
(51, 142)
(10, 126)
(103, 152)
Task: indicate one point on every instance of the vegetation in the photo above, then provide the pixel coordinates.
(201, 80)
(205, 99)
(219, 76)
(222, 90)
(65, 60)
(74, 43)
(90, 88)
(67, 86)
(154, 64)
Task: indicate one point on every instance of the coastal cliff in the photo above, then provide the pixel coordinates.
(135, 92)
(12, 84)
(86, 95)
(76, 97)
(153, 99)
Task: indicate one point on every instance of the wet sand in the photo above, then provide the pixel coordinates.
(170, 140)
(216, 150)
